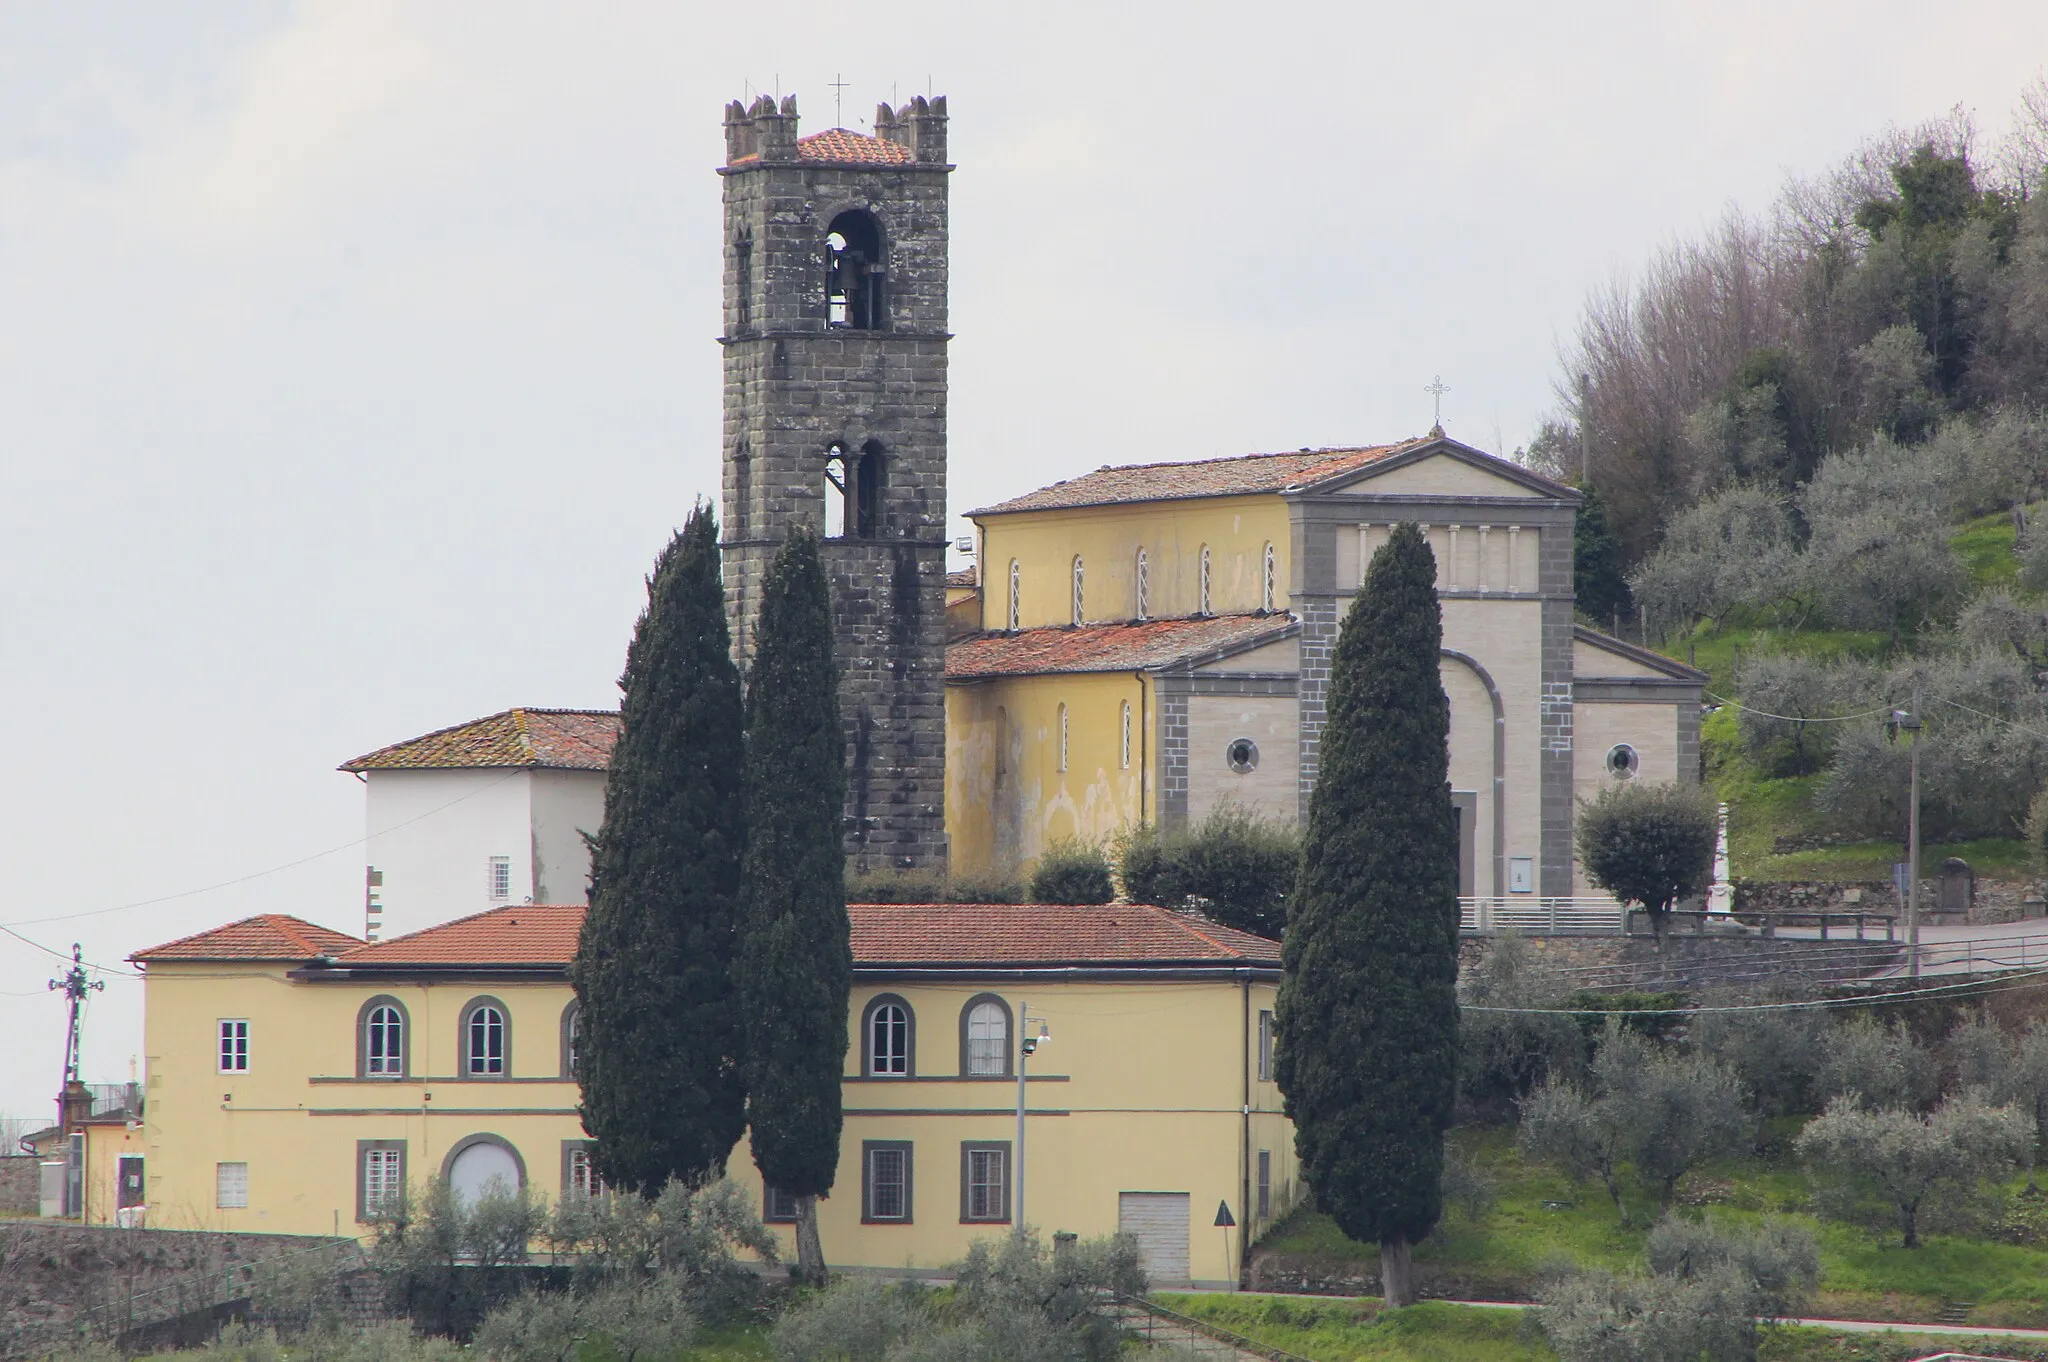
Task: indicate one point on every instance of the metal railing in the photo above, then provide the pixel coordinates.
(1532, 916)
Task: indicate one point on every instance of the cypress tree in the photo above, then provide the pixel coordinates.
(1368, 1012)
(796, 953)
(658, 1043)
(1599, 588)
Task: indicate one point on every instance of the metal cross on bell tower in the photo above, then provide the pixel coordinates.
(1436, 389)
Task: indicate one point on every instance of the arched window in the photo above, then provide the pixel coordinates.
(1063, 735)
(1270, 587)
(985, 1037)
(1144, 587)
(888, 1032)
(482, 1165)
(1203, 607)
(1016, 596)
(853, 273)
(572, 1036)
(1078, 614)
(1127, 736)
(853, 491)
(381, 1039)
(486, 1039)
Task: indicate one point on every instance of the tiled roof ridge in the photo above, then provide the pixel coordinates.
(1306, 452)
(517, 720)
(294, 930)
(466, 918)
(1188, 922)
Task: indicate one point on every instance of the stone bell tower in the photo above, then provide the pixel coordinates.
(835, 419)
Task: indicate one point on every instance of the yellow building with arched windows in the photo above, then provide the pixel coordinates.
(299, 1078)
(1147, 643)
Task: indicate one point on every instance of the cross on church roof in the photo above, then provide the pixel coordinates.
(838, 84)
(1436, 389)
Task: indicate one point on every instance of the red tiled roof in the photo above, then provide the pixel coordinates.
(841, 147)
(564, 739)
(1045, 934)
(967, 576)
(1240, 476)
(521, 934)
(996, 934)
(273, 936)
(1109, 647)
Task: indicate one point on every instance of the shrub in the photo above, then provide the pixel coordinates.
(447, 1263)
(918, 886)
(1734, 549)
(1594, 1317)
(1072, 872)
(1237, 863)
(1503, 1055)
(633, 1318)
(1877, 1066)
(1780, 1259)
(690, 1237)
(1011, 1302)
(1776, 1054)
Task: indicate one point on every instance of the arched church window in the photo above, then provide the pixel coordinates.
(1270, 586)
(1144, 587)
(1203, 607)
(1127, 736)
(1063, 736)
(1016, 596)
(1079, 616)
(853, 272)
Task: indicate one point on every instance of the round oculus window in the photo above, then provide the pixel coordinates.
(1242, 754)
(1622, 761)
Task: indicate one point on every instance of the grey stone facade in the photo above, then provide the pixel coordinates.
(802, 385)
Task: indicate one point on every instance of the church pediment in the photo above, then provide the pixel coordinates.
(1441, 468)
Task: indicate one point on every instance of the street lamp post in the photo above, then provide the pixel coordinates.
(1026, 1047)
(1910, 721)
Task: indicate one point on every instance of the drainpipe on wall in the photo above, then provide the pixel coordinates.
(1144, 748)
(1244, 1135)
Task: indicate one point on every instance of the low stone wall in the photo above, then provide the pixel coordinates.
(1691, 962)
(1995, 901)
(60, 1282)
(20, 1184)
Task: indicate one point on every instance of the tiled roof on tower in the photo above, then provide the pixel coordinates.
(841, 147)
(561, 739)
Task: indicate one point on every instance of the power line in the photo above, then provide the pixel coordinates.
(1798, 718)
(260, 874)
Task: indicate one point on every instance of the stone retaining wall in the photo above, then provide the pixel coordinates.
(1691, 962)
(20, 1184)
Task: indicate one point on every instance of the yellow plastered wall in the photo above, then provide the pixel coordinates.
(1651, 729)
(1141, 1089)
(1007, 797)
(1044, 544)
(105, 1146)
(297, 1113)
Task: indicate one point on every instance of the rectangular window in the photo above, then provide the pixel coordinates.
(1265, 1047)
(234, 1046)
(579, 1170)
(231, 1186)
(885, 1184)
(985, 1182)
(501, 879)
(1265, 1184)
(778, 1207)
(380, 1178)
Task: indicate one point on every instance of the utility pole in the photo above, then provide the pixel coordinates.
(1026, 1047)
(74, 986)
(1909, 720)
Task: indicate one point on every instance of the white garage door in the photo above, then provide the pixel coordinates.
(1159, 1222)
(482, 1168)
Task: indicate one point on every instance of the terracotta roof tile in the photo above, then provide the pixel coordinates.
(967, 576)
(1240, 476)
(273, 936)
(1109, 647)
(994, 934)
(1045, 934)
(520, 934)
(563, 739)
(842, 147)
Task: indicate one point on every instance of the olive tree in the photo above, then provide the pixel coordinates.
(1888, 1164)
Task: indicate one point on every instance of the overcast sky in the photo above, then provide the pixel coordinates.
(356, 357)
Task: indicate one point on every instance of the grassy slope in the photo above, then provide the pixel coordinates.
(1862, 1275)
(1763, 809)
(1352, 1331)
